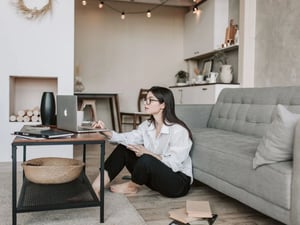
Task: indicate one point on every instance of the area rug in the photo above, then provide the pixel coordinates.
(118, 209)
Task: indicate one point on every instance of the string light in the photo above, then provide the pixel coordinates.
(108, 5)
(123, 16)
(100, 4)
(195, 9)
(148, 13)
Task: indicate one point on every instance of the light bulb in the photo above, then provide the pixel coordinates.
(83, 2)
(123, 16)
(100, 5)
(195, 9)
(148, 13)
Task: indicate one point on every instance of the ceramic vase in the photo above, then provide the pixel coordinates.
(226, 74)
(48, 108)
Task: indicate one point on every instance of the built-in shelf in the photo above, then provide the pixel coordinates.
(211, 53)
(26, 92)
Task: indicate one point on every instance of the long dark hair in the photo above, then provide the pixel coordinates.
(165, 95)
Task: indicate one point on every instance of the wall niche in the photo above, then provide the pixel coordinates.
(25, 96)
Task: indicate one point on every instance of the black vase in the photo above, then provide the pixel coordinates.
(48, 108)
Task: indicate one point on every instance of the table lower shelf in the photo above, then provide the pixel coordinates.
(39, 197)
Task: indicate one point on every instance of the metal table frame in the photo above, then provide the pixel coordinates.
(82, 139)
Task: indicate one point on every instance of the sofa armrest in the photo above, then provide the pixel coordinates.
(295, 198)
(195, 116)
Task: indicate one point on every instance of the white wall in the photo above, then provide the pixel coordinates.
(42, 47)
(123, 56)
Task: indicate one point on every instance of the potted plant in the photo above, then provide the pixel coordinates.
(181, 77)
(220, 57)
(226, 75)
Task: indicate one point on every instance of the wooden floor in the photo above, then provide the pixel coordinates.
(154, 208)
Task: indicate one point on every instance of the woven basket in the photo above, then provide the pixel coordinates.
(52, 170)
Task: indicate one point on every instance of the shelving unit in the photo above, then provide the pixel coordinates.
(211, 53)
(199, 93)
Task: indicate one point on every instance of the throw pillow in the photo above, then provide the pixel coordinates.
(277, 144)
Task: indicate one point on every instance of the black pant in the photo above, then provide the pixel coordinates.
(149, 171)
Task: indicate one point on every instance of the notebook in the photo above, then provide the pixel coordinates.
(67, 107)
(33, 133)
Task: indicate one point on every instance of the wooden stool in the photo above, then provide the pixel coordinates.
(92, 103)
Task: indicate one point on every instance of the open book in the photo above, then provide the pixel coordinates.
(181, 216)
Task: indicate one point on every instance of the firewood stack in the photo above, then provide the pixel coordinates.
(28, 115)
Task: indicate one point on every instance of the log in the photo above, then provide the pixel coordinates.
(20, 118)
(13, 118)
(26, 118)
(21, 113)
(29, 113)
(35, 118)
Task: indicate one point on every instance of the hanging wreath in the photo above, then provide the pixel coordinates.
(33, 13)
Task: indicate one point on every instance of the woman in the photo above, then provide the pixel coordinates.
(156, 153)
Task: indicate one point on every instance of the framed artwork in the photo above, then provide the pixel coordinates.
(207, 67)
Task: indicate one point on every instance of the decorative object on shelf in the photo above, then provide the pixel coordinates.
(48, 108)
(207, 67)
(212, 77)
(237, 35)
(199, 78)
(226, 75)
(181, 77)
(230, 34)
(78, 85)
(33, 13)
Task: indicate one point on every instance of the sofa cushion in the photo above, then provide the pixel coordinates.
(277, 144)
(229, 155)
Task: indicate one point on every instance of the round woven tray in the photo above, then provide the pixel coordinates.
(52, 170)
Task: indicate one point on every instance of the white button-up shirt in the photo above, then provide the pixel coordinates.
(173, 144)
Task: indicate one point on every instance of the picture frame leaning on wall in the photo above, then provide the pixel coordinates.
(207, 67)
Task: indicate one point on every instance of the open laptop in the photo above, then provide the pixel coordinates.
(67, 115)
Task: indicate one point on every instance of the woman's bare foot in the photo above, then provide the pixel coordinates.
(125, 188)
(96, 183)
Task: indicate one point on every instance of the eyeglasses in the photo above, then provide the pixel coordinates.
(148, 101)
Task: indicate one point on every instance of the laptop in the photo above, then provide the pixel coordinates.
(67, 107)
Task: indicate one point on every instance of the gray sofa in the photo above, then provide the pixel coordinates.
(226, 136)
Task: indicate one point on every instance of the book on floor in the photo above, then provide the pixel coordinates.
(181, 216)
(193, 211)
(198, 209)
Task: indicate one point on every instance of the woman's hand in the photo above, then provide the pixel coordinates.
(139, 150)
(100, 124)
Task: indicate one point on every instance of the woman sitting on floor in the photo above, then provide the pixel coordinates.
(156, 153)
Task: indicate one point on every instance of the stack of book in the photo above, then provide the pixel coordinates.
(41, 132)
(194, 211)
